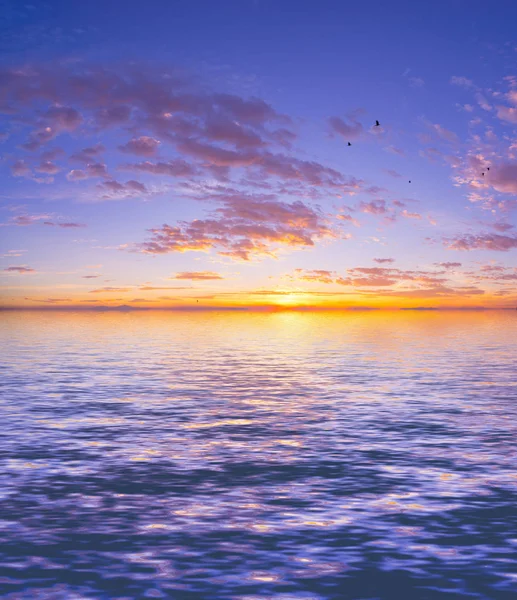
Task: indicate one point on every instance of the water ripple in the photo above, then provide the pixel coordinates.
(256, 456)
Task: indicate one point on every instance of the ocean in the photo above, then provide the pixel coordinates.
(288, 455)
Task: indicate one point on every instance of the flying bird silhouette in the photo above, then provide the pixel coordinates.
(349, 144)
(377, 124)
(488, 168)
(482, 174)
(410, 181)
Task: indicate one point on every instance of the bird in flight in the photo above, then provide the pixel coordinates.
(349, 144)
(410, 181)
(377, 124)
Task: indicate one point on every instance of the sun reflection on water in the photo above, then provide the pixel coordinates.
(281, 455)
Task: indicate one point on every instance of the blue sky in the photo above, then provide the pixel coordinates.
(229, 123)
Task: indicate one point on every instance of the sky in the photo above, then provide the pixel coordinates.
(189, 153)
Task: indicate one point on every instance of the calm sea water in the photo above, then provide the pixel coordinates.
(255, 456)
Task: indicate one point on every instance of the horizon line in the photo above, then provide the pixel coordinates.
(264, 308)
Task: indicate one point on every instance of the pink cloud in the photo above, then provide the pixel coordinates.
(393, 173)
(148, 288)
(506, 113)
(462, 81)
(172, 168)
(484, 241)
(22, 270)
(448, 265)
(444, 134)
(63, 118)
(216, 155)
(225, 130)
(114, 115)
(56, 120)
(109, 289)
(411, 215)
(253, 110)
(114, 190)
(373, 277)
(503, 177)
(24, 220)
(198, 275)
(21, 169)
(50, 155)
(48, 167)
(375, 207)
(244, 227)
(382, 261)
(142, 146)
(91, 171)
(87, 155)
(349, 131)
(502, 227)
(70, 225)
(395, 150)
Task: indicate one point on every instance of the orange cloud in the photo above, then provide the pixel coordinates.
(197, 275)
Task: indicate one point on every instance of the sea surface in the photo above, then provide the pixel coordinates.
(251, 456)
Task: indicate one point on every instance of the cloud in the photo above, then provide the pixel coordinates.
(349, 218)
(348, 131)
(462, 81)
(411, 215)
(109, 289)
(172, 168)
(438, 291)
(416, 82)
(382, 261)
(448, 265)
(91, 171)
(63, 118)
(375, 207)
(503, 177)
(215, 133)
(244, 227)
(22, 270)
(70, 225)
(21, 169)
(113, 116)
(215, 155)
(367, 277)
(506, 113)
(90, 276)
(393, 173)
(444, 134)
(214, 127)
(25, 220)
(53, 122)
(502, 227)
(395, 150)
(142, 146)
(114, 190)
(87, 155)
(223, 129)
(317, 275)
(13, 253)
(148, 288)
(48, 167)
(483, 241)
(198, 275)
